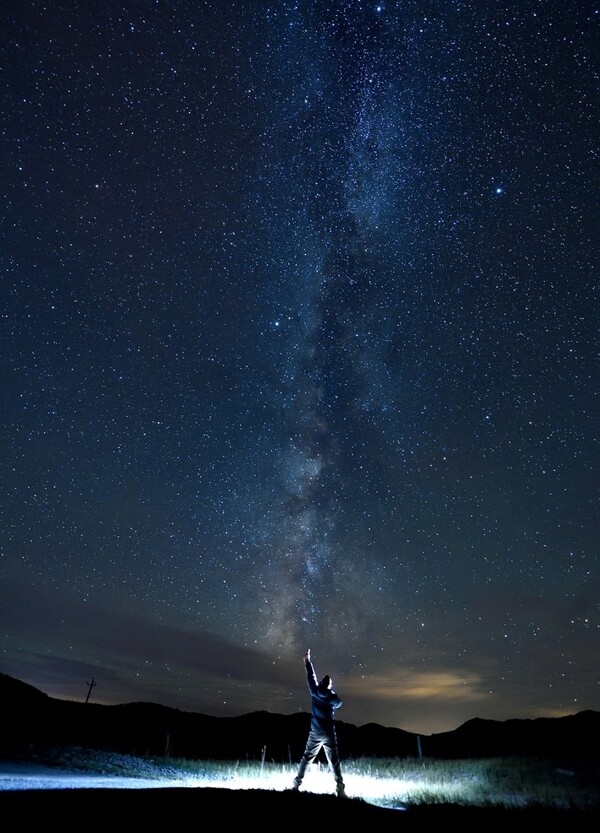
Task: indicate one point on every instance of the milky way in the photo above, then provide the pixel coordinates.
(300, 349)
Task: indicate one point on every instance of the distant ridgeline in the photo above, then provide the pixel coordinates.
(31, 718)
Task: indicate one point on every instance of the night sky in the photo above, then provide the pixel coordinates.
(300, 349)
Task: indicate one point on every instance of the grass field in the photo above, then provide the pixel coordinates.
(396, 782)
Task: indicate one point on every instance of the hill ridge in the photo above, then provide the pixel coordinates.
(146, 728)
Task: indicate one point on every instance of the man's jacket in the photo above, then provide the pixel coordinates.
(324, 703)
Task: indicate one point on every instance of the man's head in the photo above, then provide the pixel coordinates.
(326, 683)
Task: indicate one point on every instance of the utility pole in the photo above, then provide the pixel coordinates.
(91, 685)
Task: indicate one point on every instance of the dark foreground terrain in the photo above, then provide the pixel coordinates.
(33, 720)
(74, 809)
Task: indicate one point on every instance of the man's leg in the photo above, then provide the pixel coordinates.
(311, 751)
(331, 751)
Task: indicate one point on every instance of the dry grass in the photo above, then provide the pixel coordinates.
(398, 782)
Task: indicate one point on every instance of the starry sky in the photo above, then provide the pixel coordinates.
(299, 349)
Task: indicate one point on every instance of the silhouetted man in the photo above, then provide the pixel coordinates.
(322, 728)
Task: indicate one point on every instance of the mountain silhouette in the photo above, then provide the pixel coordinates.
(147, 729)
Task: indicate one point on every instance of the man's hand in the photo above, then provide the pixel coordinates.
(307, 655)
